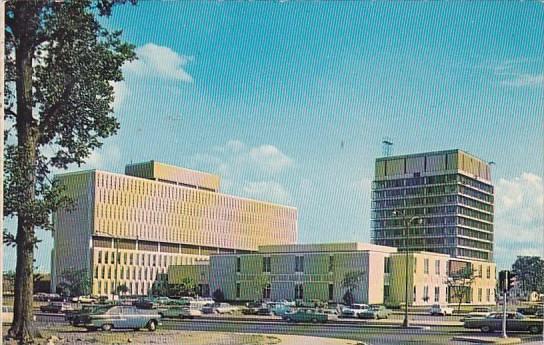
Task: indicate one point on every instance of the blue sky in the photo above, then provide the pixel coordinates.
(289, 102)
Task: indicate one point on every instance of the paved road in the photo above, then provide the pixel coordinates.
(370, 334)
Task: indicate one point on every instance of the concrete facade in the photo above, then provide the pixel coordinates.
(128, 229)
(450, 191)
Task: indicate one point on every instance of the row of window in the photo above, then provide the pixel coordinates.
(161, 191)
(432, 211)
(134, 288)
(138, 259)
(439, 179)
(432, 221)
(131, 273)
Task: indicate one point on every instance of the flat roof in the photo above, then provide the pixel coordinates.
(325, 247)
(420, 154)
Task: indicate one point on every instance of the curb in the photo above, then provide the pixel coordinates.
(488, 340)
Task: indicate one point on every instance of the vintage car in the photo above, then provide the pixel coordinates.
(260, 310)
(530, 310)
(443, 310)
(374, 312)
(515, 322)
(85, 299)
(279, 308)
(75, 317)
(180, 312)
(56, 307)
(353, 311)
(219, 308)
(305, 315)
(477, 312)
(121, 317)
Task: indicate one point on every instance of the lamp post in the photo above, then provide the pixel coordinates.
(406, 222)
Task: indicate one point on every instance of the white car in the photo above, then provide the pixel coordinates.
(225, 308)
(443, 310)
(84, 299)
(354, 310)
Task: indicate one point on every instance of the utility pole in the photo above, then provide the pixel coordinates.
(504, 291)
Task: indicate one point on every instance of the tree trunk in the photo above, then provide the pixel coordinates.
(26, 20)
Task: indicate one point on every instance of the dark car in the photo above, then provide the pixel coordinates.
(262, 310)
(530, 310)
(77, 317)
(56, 307)
(514, 322)
(144, 303)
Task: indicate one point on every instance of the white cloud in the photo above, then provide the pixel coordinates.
(267, 190)
(253, 172)
(268, 157)
(159, 61)
(519, 217)
(105, 158)
(523, 80)
(120, 91)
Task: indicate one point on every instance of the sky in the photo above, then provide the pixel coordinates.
(289, 103)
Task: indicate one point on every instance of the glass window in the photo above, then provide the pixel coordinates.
(426, 266)
(437, 294)
(437, 267)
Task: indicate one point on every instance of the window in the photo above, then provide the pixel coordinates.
(99, 285)
(386, 293)
(99, 259)
(266, 264)
(112, 258)
(238, 264)
(479, 294)
(437, 267)
(237, 290)
(106, 257)
(299, 291)
(331, 264)
(415, 293)
(109, 272)
(488, 272)
(426, 266)
(387, 265)
(331, 291)
(415, 265)
(437, 293)
(425, 294)
(488, 295)
(130, 259)
(125, 258)
(96, 273)
(299, 263)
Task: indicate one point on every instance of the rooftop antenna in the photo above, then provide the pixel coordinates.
(387, 146)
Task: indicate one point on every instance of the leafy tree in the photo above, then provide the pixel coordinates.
(218, 295)
(60, 63)
(74, 282)
(460, 282)
(351, 282)
(530, 273)
(122, 289)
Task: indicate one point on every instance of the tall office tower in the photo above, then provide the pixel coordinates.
(127, 229)
(436, 201)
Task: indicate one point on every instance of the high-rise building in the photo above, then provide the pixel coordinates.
(127, 229)
(436, 201)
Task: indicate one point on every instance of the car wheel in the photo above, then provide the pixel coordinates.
(152, 326)
(107, 327)
(535, 329)
(314, 320)
(485, 329)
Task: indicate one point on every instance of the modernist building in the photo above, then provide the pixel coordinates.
(127, 229)
(294, 272)
(449, 191)
(309, 272)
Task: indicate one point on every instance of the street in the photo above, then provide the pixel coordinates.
(374, 334)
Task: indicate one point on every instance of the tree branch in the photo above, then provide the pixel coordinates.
(50, 113)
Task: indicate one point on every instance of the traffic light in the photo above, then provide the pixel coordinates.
(512, 280)
(503, 277)
(507, 280)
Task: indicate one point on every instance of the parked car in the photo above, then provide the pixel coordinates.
(85, 299)
(477, 312)
(144, 303)
(279, 308)
(121, 317)
(305, 315)
(539, 313)
(48, 297)
(56, 307)
(375, 312)
(225, 308)
(514, 322)
(180, 312)
(530, 310)
(354, 310)
(443, 310)
(7, 314)
(76, 317)
(261, 310)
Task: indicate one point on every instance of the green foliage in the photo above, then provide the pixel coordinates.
(530, 273)
(121, 289)
(348, 298)
(218, 295)
(460, 283)
(352, 280)
(60, 63)
(74, 282)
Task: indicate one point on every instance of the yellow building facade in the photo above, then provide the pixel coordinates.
(127, 229)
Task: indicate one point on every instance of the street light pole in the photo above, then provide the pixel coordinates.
(406, 225)
(116, 243)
